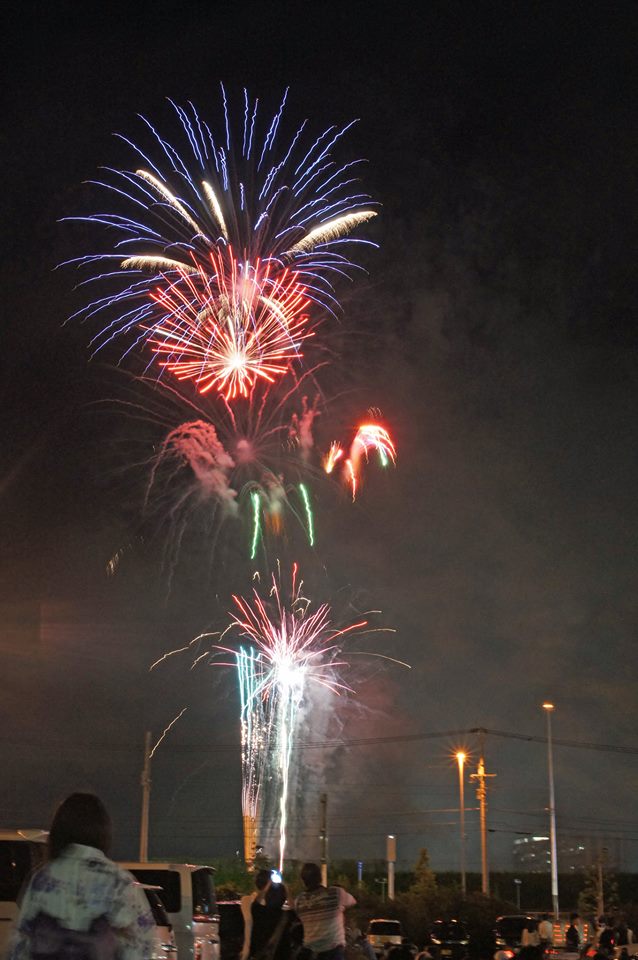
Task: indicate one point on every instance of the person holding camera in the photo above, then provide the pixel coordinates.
(321, 911)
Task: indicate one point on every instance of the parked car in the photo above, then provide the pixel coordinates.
(384, 933)
(448, 940)
(21, 851)
(231, 929)
(188, 894)
(164, 946)
(509, 930)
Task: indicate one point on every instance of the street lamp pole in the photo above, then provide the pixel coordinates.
(548, 708)
(460, 757)
(517, 884)
(391, 857)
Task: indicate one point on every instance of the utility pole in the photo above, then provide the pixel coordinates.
(548, 708)
(481, 795)
(146, 797)
(323, 838)
(600, 889)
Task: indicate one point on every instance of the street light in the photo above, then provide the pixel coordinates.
(518, 884)
(391, 858)
(460, 757)
(548, 708)
(383, 881)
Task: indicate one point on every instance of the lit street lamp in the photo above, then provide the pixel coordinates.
(548, 708)
(518, 884)
(460, 757)
(391, 858)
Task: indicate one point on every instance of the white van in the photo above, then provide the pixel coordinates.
(21, 851)
(164, 946)
(384, 933)
(188, 894)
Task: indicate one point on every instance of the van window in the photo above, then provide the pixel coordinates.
(450, 931)
(385, 928)
(157, 909)
(510, 929)
(204, 903)
(168, 880)
(17, 859)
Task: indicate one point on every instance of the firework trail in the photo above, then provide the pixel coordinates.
(285, 645)
(219, 247)
(256, 732)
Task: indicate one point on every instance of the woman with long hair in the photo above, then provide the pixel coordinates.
(80, 904)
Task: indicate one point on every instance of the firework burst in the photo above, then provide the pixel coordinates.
(285, 646)
(246, 470)
(284, 650)
(223, 244)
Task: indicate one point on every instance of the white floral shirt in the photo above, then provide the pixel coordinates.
(75, 889)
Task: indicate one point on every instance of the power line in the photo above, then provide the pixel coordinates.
(575, 744)
(503, 734)
(335, 744)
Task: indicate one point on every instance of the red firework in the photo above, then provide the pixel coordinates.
(228, 326)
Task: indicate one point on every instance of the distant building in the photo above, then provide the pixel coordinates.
(531, 854)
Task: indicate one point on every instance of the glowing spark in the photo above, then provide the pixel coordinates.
(165, 656)
(334, 454)
(256, 526)
(369, 436)
(114, 562)
(157, 263)
(374, 436)
(353, 478)
(166, 193)
(309, 519)
(332, 230)
(169, 727)
(216, 210)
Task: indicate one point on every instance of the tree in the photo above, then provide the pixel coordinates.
(418, 906)
(592, 900)
(425, 884)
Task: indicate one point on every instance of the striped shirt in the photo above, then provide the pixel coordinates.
(321, 913)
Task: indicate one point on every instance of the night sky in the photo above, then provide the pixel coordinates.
(495, 328)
